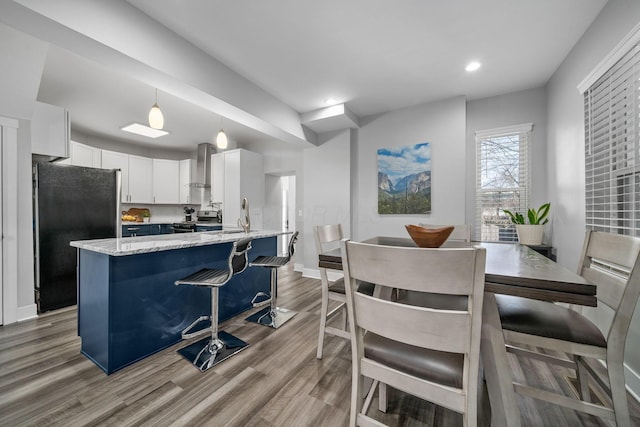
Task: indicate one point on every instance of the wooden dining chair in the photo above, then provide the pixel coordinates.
(328, 237)
(611, 262)
(430, 353)
(461, 232)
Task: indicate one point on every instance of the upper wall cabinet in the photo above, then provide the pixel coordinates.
(50, 131)
(166, 181)
(115, 160)
(83, 155)
(140, 179)
(144, 180)
(136, 175)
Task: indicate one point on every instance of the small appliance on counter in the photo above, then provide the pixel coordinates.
(187, 213)
(210, 216)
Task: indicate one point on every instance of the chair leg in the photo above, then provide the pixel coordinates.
(382, 397)
(582, 378)
(356, 395)
(619, 394)
(343, 315)
(323, 320)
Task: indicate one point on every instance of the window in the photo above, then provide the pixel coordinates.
(612, 167)
(502, 180)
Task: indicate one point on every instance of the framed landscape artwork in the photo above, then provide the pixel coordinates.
(404, 180)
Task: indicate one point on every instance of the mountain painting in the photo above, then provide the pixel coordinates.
(404, 180)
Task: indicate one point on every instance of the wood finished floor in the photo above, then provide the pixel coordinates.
(277, 381)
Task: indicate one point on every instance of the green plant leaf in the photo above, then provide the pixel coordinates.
(516, 218)
(542, 213)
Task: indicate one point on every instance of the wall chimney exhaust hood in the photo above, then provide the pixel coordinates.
(203, 166)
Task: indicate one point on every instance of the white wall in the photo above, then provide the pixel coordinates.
(440, 123)
(22, 59)
(565, 121)
(326, 193)
(527, 106)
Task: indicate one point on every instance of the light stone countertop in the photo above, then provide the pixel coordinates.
(206, 223)
(164, 242)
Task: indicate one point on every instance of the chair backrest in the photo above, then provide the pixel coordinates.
(239, 256)
(612, 263)
(326, 236)
(454, 271)
(292, 245)
(460, 231)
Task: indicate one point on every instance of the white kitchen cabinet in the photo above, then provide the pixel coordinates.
(242, 175)
(217, 178)
(50, 131)
(84, 155)
(166, 181)
(189, 194)
(115, 160)
(136, 175)
(141, 179)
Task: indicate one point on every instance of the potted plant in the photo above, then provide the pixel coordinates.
(146, 215)
(531, 233)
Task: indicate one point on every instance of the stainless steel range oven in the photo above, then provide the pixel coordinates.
(210, 216)
(184, 227)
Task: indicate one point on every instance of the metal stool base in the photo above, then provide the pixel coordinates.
(202, 357)
(266, 317)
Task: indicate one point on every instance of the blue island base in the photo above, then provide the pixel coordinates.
(129, 307)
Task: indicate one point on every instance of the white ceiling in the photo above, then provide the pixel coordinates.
(372, 55)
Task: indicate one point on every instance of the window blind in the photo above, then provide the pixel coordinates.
(502, 180)
(612, 181)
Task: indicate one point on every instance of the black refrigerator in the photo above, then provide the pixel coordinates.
(70, 203)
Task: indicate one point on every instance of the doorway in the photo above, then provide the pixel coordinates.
(280, 207)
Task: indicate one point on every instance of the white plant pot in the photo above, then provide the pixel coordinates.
(530, 234)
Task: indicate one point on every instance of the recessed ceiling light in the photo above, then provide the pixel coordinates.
(472, 66)
(330, 101)
(143, 130)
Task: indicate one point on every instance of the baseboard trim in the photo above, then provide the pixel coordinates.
(26, 312)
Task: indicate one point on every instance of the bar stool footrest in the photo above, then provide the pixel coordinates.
(189, 331)
(199, 354)
(274, 319)
(262, 303)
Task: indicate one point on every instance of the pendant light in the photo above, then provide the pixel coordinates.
(221, 139)
(156, 119)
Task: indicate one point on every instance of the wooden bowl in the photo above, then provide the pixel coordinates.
(429, 237)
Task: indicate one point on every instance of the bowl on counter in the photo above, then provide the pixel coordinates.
(429, 237)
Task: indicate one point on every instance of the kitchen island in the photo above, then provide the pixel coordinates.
(128, 304)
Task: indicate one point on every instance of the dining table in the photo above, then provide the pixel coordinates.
(511, 269)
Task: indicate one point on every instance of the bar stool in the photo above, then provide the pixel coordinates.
(273, 315)
(221, 345)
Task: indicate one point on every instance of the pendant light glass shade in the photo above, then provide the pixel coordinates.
(156, 119)
(221, 139)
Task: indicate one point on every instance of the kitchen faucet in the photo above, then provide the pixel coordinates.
(246, 225)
